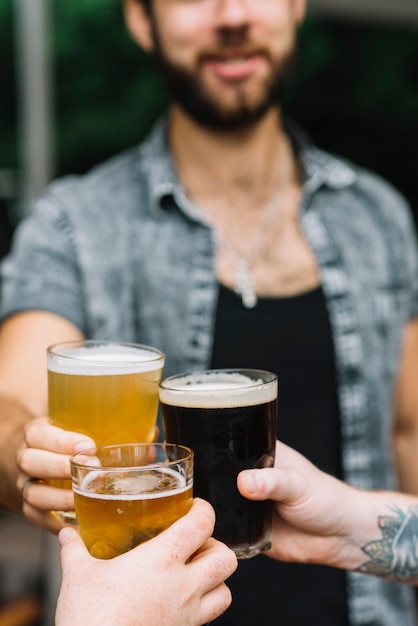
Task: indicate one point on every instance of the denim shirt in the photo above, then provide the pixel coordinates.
(124, 255)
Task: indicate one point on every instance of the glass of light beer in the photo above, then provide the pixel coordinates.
(105, 389)
(228, 417)
(126, 494)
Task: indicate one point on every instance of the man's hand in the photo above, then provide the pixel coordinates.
(43, 456)
(312, 510)
(319, 519)
(174, 579)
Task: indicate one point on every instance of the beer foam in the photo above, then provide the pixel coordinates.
(217, 390)
(104, 360)
(130, 485)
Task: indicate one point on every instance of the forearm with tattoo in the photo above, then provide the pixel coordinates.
(395, 555)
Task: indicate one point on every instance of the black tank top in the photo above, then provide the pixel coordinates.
(292, 337)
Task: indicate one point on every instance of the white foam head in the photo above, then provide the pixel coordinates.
(104, 358)
(219, 389)
(140, 487)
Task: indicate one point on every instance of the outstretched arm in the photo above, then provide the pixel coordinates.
(406, 412)
(24, 338)
(319, 519)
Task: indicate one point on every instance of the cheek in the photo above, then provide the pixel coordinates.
(275, 18)
(184, 33)
(278, 31)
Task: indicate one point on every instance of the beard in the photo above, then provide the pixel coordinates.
(191, 95)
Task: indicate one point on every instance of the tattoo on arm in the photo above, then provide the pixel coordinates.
(395, 555)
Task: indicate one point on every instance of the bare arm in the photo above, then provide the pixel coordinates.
(13, 418)
(319, 519)
(406, 416)
(24, 338)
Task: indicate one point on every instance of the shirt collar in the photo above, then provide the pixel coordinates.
(157, 166)
(319, 168)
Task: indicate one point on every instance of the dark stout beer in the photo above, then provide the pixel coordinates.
(229, 419)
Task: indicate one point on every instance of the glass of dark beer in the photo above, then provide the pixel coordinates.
(228, 417)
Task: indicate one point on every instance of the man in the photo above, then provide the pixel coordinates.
(227, 239)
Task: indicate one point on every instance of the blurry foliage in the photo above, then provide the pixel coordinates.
(357, 95)
(356, 91)
(8, 117)
(8, 98)
(107, 92)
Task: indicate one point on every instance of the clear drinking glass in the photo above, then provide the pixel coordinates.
(105, 389)
(228, 417)
(126, 494)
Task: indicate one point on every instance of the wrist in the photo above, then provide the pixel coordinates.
(354, 527)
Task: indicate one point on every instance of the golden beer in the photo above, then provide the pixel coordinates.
(119, 505)
(112, 520)
(106, 390)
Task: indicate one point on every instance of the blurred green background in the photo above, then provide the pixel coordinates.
(356, 91)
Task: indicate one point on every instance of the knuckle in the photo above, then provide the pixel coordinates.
(231, 560)
(233, 566)
(227, 597)
(222, 602)
(28, 431)
(64, 465)
(224, 561)
(22, 460)
(205, 520)
(30, 496)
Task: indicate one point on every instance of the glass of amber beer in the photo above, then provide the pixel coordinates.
(228, 417)
(105, 389)
(126, 494)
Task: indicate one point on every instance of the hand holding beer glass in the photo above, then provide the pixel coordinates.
(228, 418)
(126, 494)
(106, 390)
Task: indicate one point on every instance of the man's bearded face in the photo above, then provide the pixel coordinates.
(231, 82)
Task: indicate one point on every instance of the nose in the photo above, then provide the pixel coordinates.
(232, 13)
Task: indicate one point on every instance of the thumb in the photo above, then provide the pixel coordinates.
(72, 547)
(269, 484)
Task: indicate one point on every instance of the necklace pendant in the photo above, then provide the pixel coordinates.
(244, 285)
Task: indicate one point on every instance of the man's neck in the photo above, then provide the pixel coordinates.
(247, 188)
(249, 160)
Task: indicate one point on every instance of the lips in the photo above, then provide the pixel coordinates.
(234, 65)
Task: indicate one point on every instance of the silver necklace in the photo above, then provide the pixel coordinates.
(244, 284)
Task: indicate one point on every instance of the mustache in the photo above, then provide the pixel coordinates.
(233, 42)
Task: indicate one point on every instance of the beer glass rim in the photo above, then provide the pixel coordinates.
(61, 350)
(258, 378)
(187, 455)
(256, 387)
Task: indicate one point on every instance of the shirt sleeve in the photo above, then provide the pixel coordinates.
(408, 250)
(41, 271)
